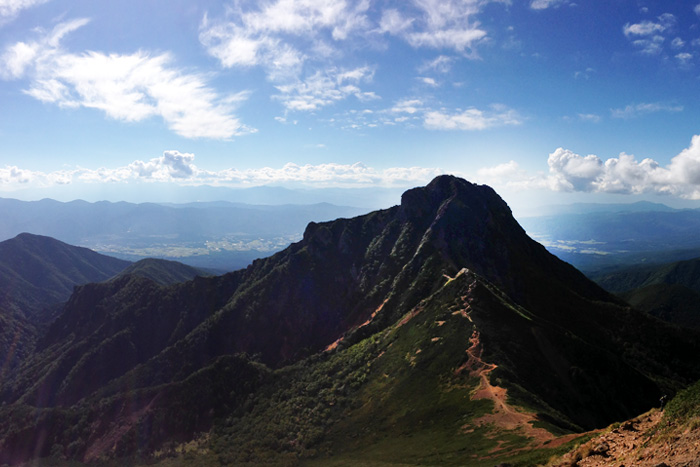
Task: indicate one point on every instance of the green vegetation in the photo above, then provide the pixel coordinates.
(684, 408)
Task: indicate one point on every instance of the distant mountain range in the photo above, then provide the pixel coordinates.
(218, 235)
(595, 237)
(367, 198)
(434, 331)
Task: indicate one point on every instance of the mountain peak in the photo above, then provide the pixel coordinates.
(479, 198)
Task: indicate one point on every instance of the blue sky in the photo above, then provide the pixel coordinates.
(545, 100)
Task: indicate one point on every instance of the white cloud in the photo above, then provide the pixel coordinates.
(256, 36)
(428, 81)
(471, 119)
(589, 118)
(636, 110)
(325, 88)
(446, 24)
(677, 43)
(297, 42)
(393, 22)
(409, 106)
(684, 58)
(9, 9)
(176, 167)
(650, 36)
(441, 64)
(125, 87)
(624, 174)
(544, 4)
(645, 28)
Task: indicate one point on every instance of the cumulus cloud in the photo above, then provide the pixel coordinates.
(637, 110)
(9, 9)
(471, 119)
(176, 167)
(125, 87)
(624, 174)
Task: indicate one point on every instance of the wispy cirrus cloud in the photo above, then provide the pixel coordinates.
(571, 172)
(325, 88)
(637, 110)
(9, 9)
(298, 43)
(126, 87)
(180, 168)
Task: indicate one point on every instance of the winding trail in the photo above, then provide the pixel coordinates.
(504, 416)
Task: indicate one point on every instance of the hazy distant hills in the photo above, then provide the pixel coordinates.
(594, 237)
(218, 235)
(368, 197)
(388, 337)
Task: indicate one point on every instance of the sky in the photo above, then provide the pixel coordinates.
(547, 101)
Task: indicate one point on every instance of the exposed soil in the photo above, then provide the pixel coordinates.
(638, 442)
(504, 415)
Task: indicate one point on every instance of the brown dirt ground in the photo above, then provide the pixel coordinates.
(641, 441)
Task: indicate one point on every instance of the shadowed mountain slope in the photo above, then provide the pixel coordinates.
(372, 290)
(37, 270)
(685, 273)
(668, 291)
(36, 274)
(162, 271)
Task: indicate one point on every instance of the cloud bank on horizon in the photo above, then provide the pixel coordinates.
(571, 172)
(299, 91)
(568, 172)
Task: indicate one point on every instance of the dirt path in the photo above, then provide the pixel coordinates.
(504, 415)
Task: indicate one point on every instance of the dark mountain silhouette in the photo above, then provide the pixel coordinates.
(415, 320)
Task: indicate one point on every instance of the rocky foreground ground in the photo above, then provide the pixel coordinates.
(647, 440)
